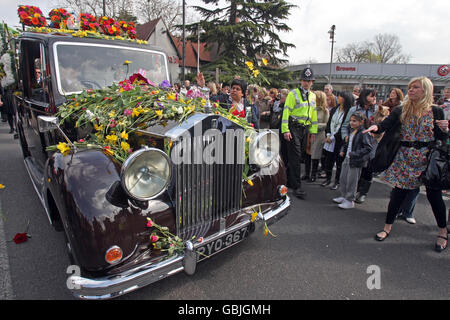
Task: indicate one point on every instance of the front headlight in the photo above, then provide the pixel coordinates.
(146, 174)
(264, 148)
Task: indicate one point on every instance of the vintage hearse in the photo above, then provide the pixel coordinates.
(208, 206)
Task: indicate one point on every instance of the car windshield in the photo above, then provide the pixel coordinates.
(82, 66)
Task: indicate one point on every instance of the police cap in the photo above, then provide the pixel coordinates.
(307, 74)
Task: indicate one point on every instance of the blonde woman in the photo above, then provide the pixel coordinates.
(421, 124)
(317, 146)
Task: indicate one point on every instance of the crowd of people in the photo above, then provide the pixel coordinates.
(323, 131)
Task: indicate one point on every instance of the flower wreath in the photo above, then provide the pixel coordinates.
(31, 16)
(59, 18)
(88, 22)
(110, 26)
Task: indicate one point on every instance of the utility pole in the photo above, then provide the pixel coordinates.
(104, 8)
(331, 32)
(184, 41)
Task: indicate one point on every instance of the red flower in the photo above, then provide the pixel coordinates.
(20, 237)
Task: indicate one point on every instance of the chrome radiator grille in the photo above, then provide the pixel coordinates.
(207, 192)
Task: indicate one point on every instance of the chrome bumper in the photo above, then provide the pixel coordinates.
(114, 286)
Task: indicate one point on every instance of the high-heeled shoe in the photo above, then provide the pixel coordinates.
(440, 248)
(378, 238)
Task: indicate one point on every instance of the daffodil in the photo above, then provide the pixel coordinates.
(111, 138)
(2, 186)
(125, 146)
(171, 96)
(112, 114)
(249, 65)
(264, 61)
(254, 216)
(63, 148)
(124, 135)
(97, 127)
(159, 113)
(255, 73)
(250, 182)
(126, 62)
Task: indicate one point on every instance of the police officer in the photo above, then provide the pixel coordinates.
(299, 117)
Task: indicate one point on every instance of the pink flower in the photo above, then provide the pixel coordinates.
(150, 223)
(154, 238)
(128, 112)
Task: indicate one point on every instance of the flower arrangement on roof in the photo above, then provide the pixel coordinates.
(110, 26)
(129, 28)
(59, 18)
(31, 16)
(88, 22)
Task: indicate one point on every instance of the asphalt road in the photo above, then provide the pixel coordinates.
(319, 252)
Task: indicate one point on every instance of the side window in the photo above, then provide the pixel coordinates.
(34, 71)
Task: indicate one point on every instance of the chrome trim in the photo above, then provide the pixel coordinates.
(128, 281)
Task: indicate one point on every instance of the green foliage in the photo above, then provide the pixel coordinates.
(245, 31)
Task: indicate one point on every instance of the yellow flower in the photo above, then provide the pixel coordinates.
(159, 113)
(255, 73)
(264, 61)
(112, 114)
(250, 182)
(126, 62)
(2, 186)
(109, 151)
(124, 135)
(63, 148)
(254, 216)
(97, 127)
(171, 96)
(136, 112)
(249, 65)
(125, 146)
(111, 138)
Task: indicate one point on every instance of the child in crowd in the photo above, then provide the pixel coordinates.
(356, 152)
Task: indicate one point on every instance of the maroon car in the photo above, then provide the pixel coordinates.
(105, 214)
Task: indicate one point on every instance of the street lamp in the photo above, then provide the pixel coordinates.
(331, 32)
(184, 41)
(199, 30)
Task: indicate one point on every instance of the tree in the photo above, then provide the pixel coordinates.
(113, 8)
(385, 48)
(243, 30)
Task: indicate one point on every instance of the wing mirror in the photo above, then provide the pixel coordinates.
(46, 123)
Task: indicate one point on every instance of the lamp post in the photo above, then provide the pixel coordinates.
(331, 32)
(184, 41)
(104, 8)
(199, 30)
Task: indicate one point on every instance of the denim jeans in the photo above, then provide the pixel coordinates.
(407, 208)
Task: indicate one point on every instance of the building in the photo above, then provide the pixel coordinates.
(380, 76)
(156, 33)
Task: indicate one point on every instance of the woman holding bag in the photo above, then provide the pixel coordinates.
(421, 125)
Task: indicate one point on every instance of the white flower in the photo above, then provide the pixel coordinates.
(9, 79)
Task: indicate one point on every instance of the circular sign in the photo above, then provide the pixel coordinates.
(443, 70)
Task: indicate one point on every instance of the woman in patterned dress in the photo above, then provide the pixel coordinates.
(418, 130)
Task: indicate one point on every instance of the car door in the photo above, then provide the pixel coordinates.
(35, 100)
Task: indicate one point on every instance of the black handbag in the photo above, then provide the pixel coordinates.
(387, 149)
(437, 174)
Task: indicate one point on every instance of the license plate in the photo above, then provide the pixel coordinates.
(219, 244)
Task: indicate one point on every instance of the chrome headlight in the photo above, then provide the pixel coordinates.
(146, 174)
(264, 148)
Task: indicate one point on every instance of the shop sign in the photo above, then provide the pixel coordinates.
(443, 70)
(339, 68)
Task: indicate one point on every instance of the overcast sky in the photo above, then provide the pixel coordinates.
(423, 27)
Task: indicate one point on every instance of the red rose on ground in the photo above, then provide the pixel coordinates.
(20, 237)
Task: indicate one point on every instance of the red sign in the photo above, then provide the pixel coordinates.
(338, 68)
(443, 70)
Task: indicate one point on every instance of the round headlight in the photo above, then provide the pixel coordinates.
(146, 174)
(264, 148)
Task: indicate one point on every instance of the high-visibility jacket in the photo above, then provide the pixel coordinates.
(303, 111)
